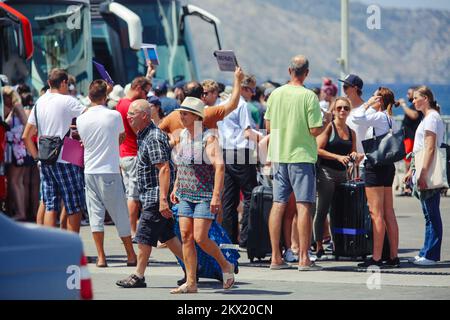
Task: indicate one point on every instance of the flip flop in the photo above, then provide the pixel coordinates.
(183, 289)
(105, 265)
(311, 267)
(282, 266)
(227, 276)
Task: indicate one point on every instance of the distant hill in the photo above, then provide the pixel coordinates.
(411, 46)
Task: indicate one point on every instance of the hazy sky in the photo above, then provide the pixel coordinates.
(432, 4)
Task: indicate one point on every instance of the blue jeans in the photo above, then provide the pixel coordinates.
(433, 228)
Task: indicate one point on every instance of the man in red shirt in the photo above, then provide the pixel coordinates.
(128, 149)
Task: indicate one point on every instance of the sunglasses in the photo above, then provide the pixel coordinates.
(253, 90)
(346, 108)
(346, 86)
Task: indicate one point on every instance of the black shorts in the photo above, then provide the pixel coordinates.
(153, 227)
(379, 176)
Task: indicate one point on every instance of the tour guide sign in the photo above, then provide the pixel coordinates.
(226, 60)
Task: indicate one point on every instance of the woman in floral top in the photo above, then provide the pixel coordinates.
(198, 190)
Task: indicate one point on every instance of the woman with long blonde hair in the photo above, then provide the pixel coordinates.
(429, 136)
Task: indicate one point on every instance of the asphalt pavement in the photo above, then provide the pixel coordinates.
(339, 280)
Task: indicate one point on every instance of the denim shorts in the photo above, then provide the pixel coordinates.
(299, 178)
(195, 210)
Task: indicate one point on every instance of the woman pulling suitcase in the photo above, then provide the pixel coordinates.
(198, 190)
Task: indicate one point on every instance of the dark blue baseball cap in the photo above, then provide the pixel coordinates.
(180, 84)
(353, 80)
(154, 100)
(160, 86)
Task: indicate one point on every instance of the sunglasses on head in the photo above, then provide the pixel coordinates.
(346, 108)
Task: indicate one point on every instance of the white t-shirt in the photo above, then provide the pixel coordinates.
(432, 122)
(232, 127)
(359, 128)
(55, 112)
(99, 129)
(324, 105)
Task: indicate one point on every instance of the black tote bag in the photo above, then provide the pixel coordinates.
(385, 149)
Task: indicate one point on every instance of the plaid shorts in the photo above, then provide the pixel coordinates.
(66, 181)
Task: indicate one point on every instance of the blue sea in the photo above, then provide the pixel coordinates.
(441, 94)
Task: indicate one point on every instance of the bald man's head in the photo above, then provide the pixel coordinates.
(141, 105)
(193, 89)
(139, 114)
(299, 66)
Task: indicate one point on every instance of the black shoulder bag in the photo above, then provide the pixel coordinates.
(385, 149)
(49, 147)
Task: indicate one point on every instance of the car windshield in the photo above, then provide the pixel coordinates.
(11, 63)
(160, 21)
(61, 37)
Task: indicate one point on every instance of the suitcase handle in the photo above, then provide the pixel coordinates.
(352, 173)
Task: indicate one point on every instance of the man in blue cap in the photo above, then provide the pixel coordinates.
(157, 112)
(353, 90)
(167, 104)
(178, 90)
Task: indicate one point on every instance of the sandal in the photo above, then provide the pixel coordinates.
(132, 281)
(183, 289)
(228, 278)
(104, 265)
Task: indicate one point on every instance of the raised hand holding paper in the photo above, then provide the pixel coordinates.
(150, 53)
(103, 73)
(226, 59)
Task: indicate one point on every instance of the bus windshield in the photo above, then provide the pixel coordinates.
(160, 21)
(61, 36)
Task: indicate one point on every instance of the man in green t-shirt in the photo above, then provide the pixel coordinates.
(294, 119)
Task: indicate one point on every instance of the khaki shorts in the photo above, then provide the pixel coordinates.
(129, 176)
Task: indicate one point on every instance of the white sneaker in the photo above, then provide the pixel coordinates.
(422, 261)
(290, 256)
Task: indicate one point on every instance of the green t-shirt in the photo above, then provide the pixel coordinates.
(292, 111)
(254, 112)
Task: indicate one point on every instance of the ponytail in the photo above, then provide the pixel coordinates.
(434, 105)
(424, 91)
(388, 99)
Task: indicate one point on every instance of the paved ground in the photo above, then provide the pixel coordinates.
(339, 280)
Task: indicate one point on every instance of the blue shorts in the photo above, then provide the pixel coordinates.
(195, 210)
(299, 178)
(66, 181)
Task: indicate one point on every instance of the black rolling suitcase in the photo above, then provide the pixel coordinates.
(351, 225)
(258, 241)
